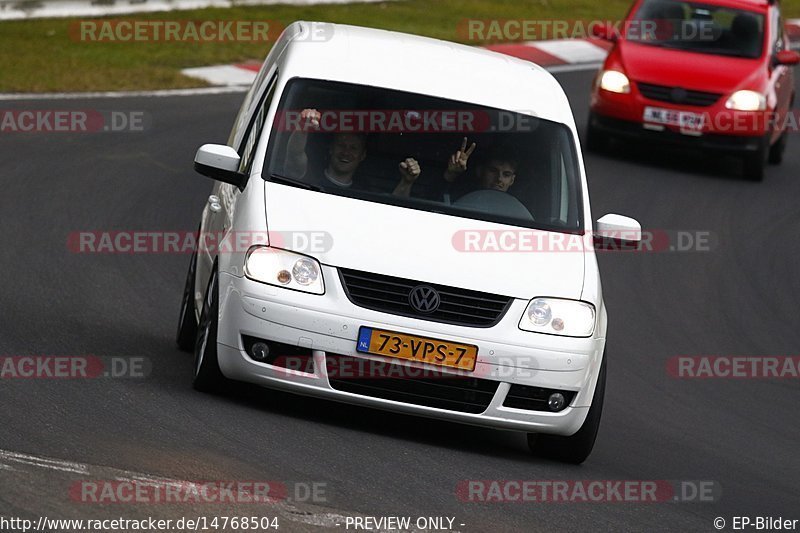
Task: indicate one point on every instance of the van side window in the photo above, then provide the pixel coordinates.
(247, 150)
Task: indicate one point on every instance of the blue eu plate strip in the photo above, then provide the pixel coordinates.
(364, 336)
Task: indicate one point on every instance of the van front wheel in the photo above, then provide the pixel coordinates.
(576, 448)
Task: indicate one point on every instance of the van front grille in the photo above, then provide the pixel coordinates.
(392, 295)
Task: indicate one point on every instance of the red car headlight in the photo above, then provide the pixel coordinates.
(615, 81)
(747, 101)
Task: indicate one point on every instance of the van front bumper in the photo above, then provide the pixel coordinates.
(328, 326)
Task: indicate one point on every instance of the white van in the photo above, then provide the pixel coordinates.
(402, 223)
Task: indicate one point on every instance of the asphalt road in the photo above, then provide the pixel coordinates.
(739, 298)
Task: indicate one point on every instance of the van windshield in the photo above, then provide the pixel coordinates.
(697, 27)
(426, 153)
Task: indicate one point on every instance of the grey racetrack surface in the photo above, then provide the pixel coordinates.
(737, 299)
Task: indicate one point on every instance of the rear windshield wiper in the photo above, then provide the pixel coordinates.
(277, 178)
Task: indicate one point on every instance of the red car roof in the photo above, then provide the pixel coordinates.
(753, 5)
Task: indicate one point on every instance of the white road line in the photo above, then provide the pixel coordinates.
(322, 518)
(84, 8)
(123, 94)
(78, 468)
(555, 69)
(43, 462)
(222, 74)
(319, 519)
(152, 481)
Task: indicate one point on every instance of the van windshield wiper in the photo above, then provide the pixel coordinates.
(277, 178)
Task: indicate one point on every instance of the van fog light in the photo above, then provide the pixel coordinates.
(259, 351)
(556, 401)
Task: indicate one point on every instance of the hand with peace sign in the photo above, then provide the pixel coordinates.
(457, 164)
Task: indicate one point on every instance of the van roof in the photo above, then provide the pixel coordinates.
(422, 65)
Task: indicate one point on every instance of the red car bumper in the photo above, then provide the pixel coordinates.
(706, 122)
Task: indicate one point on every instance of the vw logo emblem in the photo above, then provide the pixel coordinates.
(424, 299)
(679, 94)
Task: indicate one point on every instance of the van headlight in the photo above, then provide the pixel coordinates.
(555, 316)
(284, 269)
(747, 101)
(615, 82)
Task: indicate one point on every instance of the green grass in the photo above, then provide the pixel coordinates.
(39, 55)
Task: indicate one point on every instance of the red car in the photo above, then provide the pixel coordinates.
(709, 74)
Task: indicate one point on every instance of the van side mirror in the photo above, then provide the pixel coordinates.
(616, 232)
(220, 162)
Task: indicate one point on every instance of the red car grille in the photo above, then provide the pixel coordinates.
(678, 95)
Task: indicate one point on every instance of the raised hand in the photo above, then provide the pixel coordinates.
(458, 161)
(410, 170)
(296, 159)
(309, 119)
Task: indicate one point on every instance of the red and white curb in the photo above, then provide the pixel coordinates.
(557, 52)
(555, 55)
(548, 54)
(228, 75)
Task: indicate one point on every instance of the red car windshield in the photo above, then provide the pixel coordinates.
(698, 27)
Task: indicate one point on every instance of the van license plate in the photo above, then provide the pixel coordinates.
(420, 349)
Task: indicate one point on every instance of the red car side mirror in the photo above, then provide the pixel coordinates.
(787, 57)
(605, 32)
